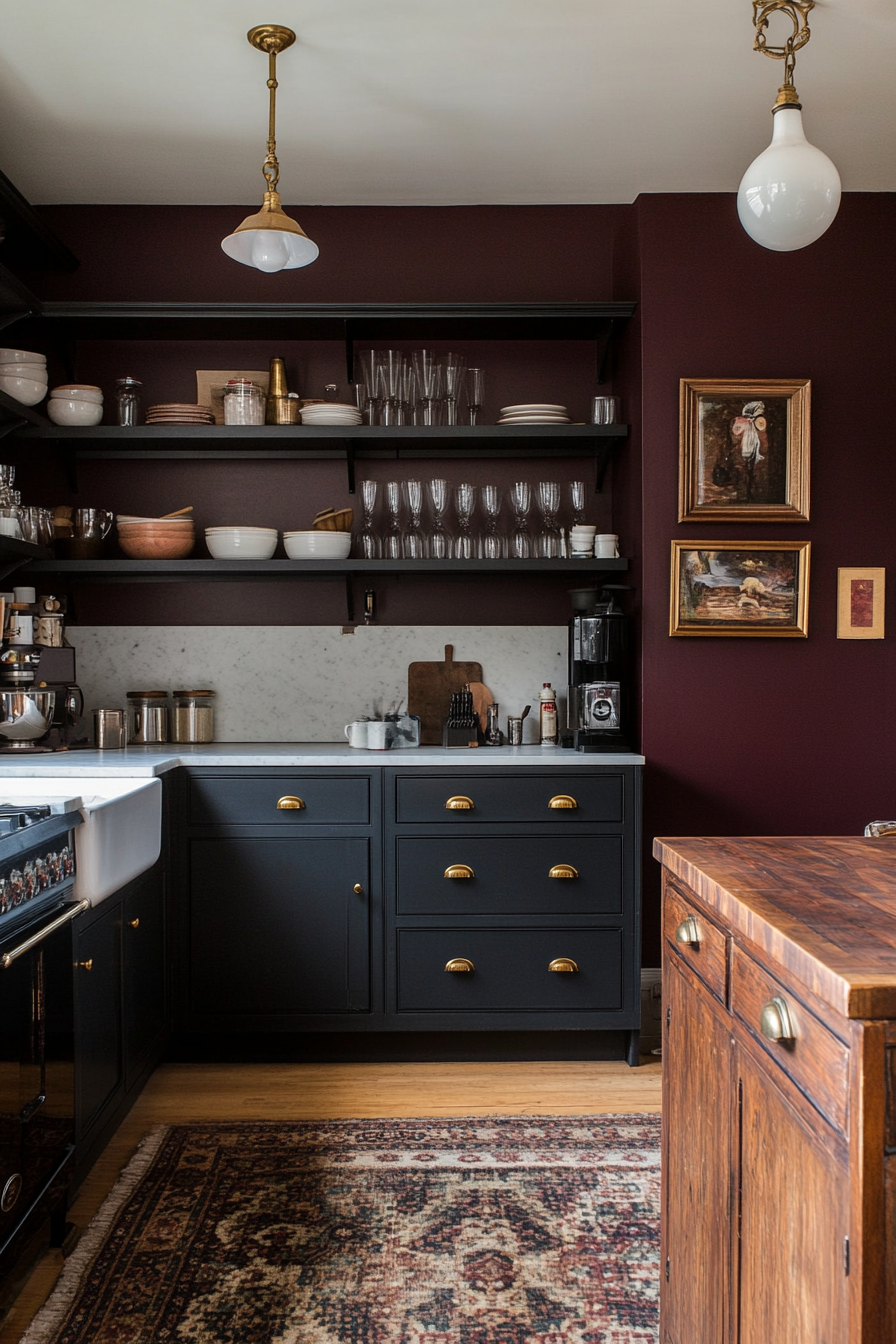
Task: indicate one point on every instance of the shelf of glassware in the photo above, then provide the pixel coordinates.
(160, 571)
(108, 439)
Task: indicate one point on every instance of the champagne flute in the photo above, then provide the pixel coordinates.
(465, 504)
(428, 372)
(413, 543)
(520, 502)
(549, 503)
(441, 542)
(368, 545)
(392, 542)
(491, 504)
(453, 372)
(475, 392)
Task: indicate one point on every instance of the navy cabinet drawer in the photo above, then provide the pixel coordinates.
(510, 970)
(510, 876)
(497, 798)
(251, 800)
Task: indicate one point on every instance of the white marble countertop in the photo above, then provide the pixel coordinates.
(151, 761)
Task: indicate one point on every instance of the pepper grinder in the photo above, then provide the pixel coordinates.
(275, 406)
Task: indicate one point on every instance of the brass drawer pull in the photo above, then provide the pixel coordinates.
(87, 965)
(562, 800)
(688, 932)
(134, 923)
(563, 870)
(459, 870)
(775, 1021)
(460, 803)
(459, 964)
(290, 803)
(565, 964)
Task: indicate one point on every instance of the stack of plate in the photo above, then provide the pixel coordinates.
(534, 413)
(331, 413)
(179, 413)
(23, 375)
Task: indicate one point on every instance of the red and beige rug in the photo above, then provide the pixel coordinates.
(471, 1231)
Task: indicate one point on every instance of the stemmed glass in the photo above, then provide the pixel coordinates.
(520, 502)
(577, 500)
(367, 542)
(549, 503)
(413, 543)
(366, 360)
(491, 503)
(453, 372)
(392, 542)
(441, 541)
(475, 392)
(428, 373)
(465, 504)
(407, 410)
(388, 384)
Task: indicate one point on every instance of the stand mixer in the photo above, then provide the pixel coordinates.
(40, 701)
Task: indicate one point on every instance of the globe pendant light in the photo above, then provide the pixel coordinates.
(270, 240)
(790, 194)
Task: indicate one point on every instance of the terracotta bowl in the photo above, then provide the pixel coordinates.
(148, 543)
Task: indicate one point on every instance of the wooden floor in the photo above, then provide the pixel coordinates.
(182, 1092)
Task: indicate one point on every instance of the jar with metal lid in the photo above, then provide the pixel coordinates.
(193, 717)
(243, 403)
(127, 400)
(147, 717)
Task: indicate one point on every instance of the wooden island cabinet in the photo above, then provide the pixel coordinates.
(779, 1100)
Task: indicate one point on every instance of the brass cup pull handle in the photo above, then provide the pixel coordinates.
(459, 870)
(562, 800)
(563, 870)
(460, 803)
(564, 964)
(459, 964)
(775, 1021)
(134, 923)
(290, 803)
(688, 932)
(87, 965)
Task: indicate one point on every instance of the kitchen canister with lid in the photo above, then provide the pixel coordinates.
(147, 717)
(193, 717)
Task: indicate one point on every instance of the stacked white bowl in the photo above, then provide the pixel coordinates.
(317, 545)
(23, 375)
(76, 404)
(581, 537)
(331, 413)
(241, 543)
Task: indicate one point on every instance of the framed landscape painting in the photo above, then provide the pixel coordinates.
(743, 453)
(740, 588)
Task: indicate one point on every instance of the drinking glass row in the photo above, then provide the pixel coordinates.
(420, 389)
(406, 538)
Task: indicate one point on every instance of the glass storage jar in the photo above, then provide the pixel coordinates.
(193, 717)
(243, 403)
(147, 717)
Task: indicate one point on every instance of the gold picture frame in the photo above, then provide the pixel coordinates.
(743, 589)
(860, 603)
(743, 451)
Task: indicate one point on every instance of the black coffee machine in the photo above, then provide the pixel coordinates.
(598, 709)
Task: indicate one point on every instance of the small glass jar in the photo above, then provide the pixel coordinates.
(147, 717)
(127, 400)
(193, 716)
(243, 403)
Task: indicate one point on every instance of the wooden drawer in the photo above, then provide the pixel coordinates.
(510, 876)
(503, 798)
(816, 1061)
(708, 954)
(511, 970)
(251, 800)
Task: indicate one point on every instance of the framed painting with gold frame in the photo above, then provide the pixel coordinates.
(743, 450)
(740, 588)
(860, 603)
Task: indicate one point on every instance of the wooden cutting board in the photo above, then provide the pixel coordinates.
(430, 687)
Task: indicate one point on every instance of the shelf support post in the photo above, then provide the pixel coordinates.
(350, 464)
(349, 600)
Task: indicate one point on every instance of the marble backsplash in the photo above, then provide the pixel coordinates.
(304, 683)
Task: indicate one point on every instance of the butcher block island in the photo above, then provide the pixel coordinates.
(779, 1090)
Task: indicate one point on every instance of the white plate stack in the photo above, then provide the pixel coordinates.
(23, 375)
(534, 413)
(331, 413)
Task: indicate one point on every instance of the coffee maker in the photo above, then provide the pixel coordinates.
(33, 655)
(598, 710)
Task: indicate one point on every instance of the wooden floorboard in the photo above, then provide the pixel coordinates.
(179, 1093)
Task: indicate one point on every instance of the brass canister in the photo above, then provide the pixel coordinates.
(276, 393)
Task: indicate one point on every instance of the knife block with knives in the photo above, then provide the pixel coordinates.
(430, 688)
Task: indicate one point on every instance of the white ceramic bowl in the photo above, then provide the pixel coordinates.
(317, 545)
(241, 543)
(76, 392)
(26, 390)
(71, 411)
(36, 371)
(21, 357)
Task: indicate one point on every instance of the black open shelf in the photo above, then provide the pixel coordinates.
(179, 571)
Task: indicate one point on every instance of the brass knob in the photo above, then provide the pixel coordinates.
(775, 1021)
(688, 932)
(459, 870)
(562, 800)
(459, 804)
(88, 965)
(358, 889)
(563, 870)
(459, 964)
(290, 803)
(134, 923)
(565, 964)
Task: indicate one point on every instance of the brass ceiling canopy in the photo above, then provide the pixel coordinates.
(798, 12)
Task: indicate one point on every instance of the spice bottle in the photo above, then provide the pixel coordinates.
(547, 715)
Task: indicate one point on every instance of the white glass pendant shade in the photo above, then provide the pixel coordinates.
(270, 241)
(790, 194)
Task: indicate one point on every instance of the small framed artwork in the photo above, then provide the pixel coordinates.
(740, 588)
(860, 603)
(743, 450)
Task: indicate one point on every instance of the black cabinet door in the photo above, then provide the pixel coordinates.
(276, 926)
(99, 1067)
(143, 939)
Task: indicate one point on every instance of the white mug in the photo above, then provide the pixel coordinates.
(356, 734)
(606, 545)
(377, 735)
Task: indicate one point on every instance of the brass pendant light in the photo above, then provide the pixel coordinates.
(270, 240)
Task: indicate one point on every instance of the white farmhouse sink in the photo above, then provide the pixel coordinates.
(121, 834)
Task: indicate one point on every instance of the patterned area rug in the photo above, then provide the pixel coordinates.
(494, 1231)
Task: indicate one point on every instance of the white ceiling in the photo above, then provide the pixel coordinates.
(427, 102)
